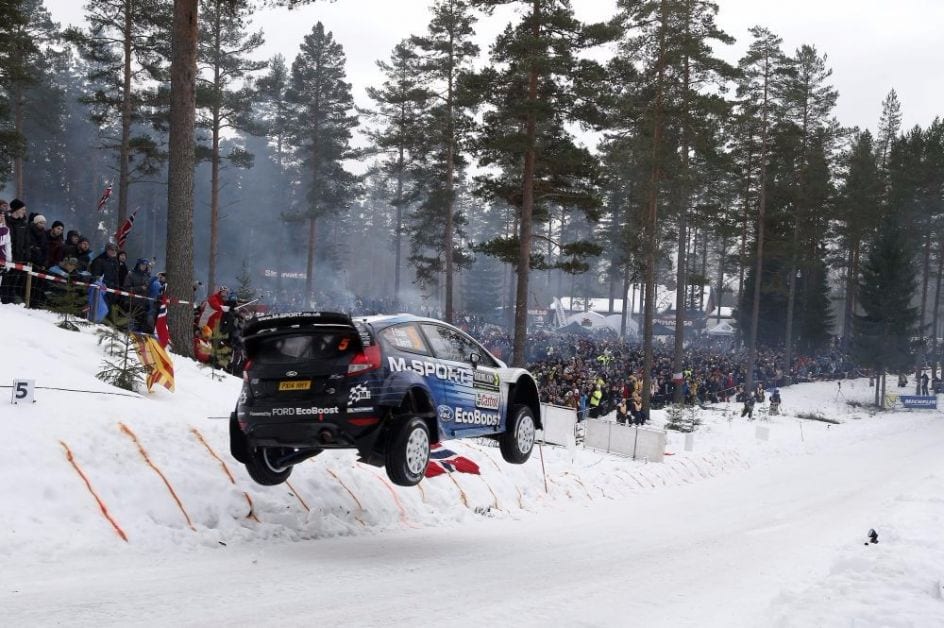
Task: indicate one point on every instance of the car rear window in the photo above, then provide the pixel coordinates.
(291, 348)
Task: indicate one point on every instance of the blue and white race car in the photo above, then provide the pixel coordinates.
(387, 386)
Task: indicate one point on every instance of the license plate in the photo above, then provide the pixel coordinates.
(296, 385)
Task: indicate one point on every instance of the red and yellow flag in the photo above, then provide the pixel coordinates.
(157, 361)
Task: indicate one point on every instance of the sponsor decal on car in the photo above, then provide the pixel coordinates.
(487, 400)
(426, 369)
(259, 413)
(445, 413)
(358, 393)
(304, 411)
(359, 410)
(242, 397)
(476, 417)
(486, 379)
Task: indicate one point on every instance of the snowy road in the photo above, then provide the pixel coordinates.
(718, 552)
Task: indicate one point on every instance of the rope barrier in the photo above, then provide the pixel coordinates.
(92, 392)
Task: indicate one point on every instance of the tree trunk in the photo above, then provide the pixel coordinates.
(215, 156)
(937, 306)
(310, 264)
(124, 150)
(18, 107)
(652, 209)
(527, 201)
(724, 248)
(180, 172)
(627, 304)
(398, 232)
(791, 299)
(847, 310)
(681, 272)
(759, 262)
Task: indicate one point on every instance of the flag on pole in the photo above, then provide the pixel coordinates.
(160, 323)
(105, 196)
(122, 234)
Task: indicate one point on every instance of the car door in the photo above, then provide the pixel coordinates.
(473, 393)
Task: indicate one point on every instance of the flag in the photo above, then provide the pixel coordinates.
(156, 360)
(443, 460)
(97, 306)
(160, 323)
(104, 199)
(122, 234)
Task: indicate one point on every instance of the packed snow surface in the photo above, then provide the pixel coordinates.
(762, 523)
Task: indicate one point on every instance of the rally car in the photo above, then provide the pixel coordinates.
(387, 386)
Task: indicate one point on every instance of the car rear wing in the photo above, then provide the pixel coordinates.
(295, 320)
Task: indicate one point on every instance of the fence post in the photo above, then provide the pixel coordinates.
(29, 284)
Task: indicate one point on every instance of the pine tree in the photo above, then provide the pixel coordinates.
(809, 100)
(398, 115)
(537, 85)
(244, 290)
(860, 206)
(445, 55)
(126, 48)
(225, 47)
(883, 334)
(321, 131)
(120, 367)
(888, 127)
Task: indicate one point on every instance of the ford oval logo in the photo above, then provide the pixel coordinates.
(291, 373)
(445, 413)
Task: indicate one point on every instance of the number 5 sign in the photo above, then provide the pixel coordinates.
(23, 391)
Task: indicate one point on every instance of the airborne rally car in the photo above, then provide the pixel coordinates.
(387, 386)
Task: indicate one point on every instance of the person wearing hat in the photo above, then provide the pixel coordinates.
(137, 282)
(106, 267)
(55, 243)
(6, 249)
(71, 246)
(17, 223)
(39, 242)
(83, 254)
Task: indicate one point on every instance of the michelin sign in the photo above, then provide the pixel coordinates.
(919, 402)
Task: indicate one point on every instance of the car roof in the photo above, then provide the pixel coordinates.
(385, 320)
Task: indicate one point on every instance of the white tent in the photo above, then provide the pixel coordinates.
(723, 328)
(632, 327)
(589, 320)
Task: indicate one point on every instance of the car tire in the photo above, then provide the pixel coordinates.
(408, 452)
(517, 441)
(262, 470)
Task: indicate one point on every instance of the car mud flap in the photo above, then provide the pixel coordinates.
(237, 441)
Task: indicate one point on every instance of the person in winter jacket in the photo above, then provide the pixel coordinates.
(208, 321)
(39, 242)
(106, 267)
(83, 255)
(155, 292)
(122, 267)
(6, 249)
(17, 223)
(70, 247)
(137, 282)
(55, 244)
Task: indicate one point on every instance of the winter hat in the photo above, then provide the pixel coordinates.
(83, 239)
(38, 218)
(57, 223)
(16, 204)
(111, 246)
(72, 232)
(142, 260)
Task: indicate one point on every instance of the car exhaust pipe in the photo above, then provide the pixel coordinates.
(295, 457)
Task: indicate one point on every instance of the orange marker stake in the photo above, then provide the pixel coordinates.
(351, 493)
(297, 496)
(98, 499)
(124, 428)
(252, 512)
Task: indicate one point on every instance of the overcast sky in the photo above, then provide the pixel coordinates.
(872, 45)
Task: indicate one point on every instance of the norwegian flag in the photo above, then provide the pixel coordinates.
(442, 460)
(104, 199)
(160, 323)
(122, 234)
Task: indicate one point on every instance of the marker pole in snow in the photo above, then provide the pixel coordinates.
(543, 470)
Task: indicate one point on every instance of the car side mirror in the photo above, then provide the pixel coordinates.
(475, 358)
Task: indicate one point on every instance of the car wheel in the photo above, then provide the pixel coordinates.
(408, 452)
(264, 469)
(518, 438)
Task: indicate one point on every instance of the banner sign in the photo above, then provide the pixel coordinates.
(919, 402)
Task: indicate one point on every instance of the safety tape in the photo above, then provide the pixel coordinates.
(28, 268)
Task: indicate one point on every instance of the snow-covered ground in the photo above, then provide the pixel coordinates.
(741, 531)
